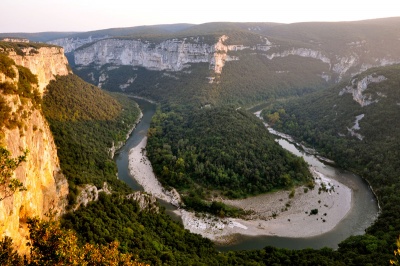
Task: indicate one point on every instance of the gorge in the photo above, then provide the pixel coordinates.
(331, 87)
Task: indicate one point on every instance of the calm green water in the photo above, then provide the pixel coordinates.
(122, 158)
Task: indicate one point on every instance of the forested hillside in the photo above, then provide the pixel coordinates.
(204, 144)
(223, 150)
(300, 59)
(361, 135)
(85, 122)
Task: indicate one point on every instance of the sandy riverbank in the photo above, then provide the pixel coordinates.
(140, 168)
(276, 214)
(273, 214)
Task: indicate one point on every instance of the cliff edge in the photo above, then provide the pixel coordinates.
(24, 128)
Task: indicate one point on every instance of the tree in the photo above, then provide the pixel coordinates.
(8, 256)
(52, 245)
(9, 185)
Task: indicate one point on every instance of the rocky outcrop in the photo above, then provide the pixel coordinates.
(88, 193)
(358, 87)
(47, 188)
(45, 63)
(173, 55)
(146, 202)
(303, 52)
(339, 65)
(343, 65)
(356, 127)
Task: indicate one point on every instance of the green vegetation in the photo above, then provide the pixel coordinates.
(6, 64)
(250, 80)
(154, 237)
(180, 88)
(19, 47)
(27, 82)
(177, 148)
(26, 89)
(220, 149)
(85, 122)
(52, 245)
(9, 185)
(70, 99)
(193, 202)
(322, 120)
(27, 85)
(254, 79)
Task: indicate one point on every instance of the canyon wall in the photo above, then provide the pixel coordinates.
(173, 55)
(45, 63)
(46, 187)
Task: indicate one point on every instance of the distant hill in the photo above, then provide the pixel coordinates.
(50, 36)
(37, 37)
(256, 62)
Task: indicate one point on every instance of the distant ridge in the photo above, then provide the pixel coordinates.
(300, 30)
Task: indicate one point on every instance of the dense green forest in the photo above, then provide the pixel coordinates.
(85, 121)
(222, 150)
(154, 237)
(188, 88)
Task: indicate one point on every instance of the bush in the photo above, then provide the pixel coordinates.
(6, 64)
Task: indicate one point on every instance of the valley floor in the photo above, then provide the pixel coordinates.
(274, 214)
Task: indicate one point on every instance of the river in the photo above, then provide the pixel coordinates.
(363, 212)
(122, 157)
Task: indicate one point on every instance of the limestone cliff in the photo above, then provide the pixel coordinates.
(358, 87)
(340, 65)
(173, 55)
(303, 52)
(90, 193)
(70, 44)
(46, 186)
(45, 63)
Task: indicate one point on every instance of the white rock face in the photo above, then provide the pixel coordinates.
(46, 64)
(171, 55)
(358, 87)
(70, 44)
(90, 193)
(339, 65)
(303, 52)
(343, 65)
(356, 127)
(146, 202)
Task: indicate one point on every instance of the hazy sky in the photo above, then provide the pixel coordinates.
(84, 15)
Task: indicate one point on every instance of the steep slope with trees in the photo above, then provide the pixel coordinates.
(224, 150)
(85, 122)
(356, 124)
